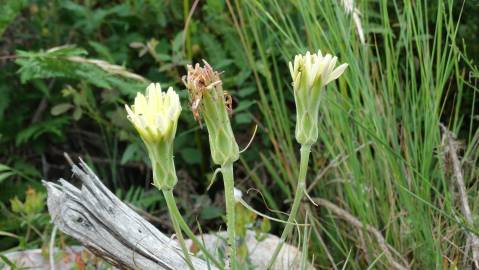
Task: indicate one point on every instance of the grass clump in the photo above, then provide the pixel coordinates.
(381, 154)
(381, 173)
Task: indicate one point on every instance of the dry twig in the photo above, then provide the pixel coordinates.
(452, 149)
(344, 215)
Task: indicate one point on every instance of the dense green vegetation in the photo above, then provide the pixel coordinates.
(381, 155)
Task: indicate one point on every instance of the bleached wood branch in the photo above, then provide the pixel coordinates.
(109, 228)
(452, 147)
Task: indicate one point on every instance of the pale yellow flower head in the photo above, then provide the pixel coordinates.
(311, 73)
(314, 70)
(155, 116)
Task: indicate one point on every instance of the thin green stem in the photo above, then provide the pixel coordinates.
(303, 168)
(306, 237)
(170, 202)
(186, 11)
(175, 213)
(228, 179)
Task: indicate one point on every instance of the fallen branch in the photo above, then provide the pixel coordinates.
(452, 149)
(346, 216)
(109, 228)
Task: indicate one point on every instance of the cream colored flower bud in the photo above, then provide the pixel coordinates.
(310, 74)
(314, 70)
(155, 117)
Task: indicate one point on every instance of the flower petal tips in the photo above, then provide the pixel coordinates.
(314, 70)
(155, 116)
(310, 74)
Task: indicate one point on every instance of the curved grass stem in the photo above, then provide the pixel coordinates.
(303, 168)
(176, 216)
(174, 220)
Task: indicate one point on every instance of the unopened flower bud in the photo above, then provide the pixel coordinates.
(310, 74)
(155, 117)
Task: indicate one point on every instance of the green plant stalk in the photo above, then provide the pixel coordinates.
(306, 237)
(298, 196)
(186, 11)
(176, 215)
(228, 179)
(170, 202)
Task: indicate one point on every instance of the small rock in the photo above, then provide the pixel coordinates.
(260, 251)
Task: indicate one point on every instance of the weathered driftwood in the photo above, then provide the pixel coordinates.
(109, 228)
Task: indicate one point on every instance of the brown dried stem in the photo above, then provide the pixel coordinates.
(452, 149)
(346, 216)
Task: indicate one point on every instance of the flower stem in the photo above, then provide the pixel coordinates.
(228, 179)
(176, 215)
(170, 202)
(303, 168)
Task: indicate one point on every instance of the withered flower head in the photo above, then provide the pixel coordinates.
(201, 81)
(208, 98)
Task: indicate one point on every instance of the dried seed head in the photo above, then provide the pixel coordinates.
(208, 98)
(199, 81)
(228, 102)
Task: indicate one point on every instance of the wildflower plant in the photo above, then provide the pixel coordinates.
(310, 74)
(209, 100)
(155, 117)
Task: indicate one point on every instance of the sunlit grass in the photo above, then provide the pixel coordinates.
(379, 129)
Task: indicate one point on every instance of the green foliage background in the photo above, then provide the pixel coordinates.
(55, 97)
